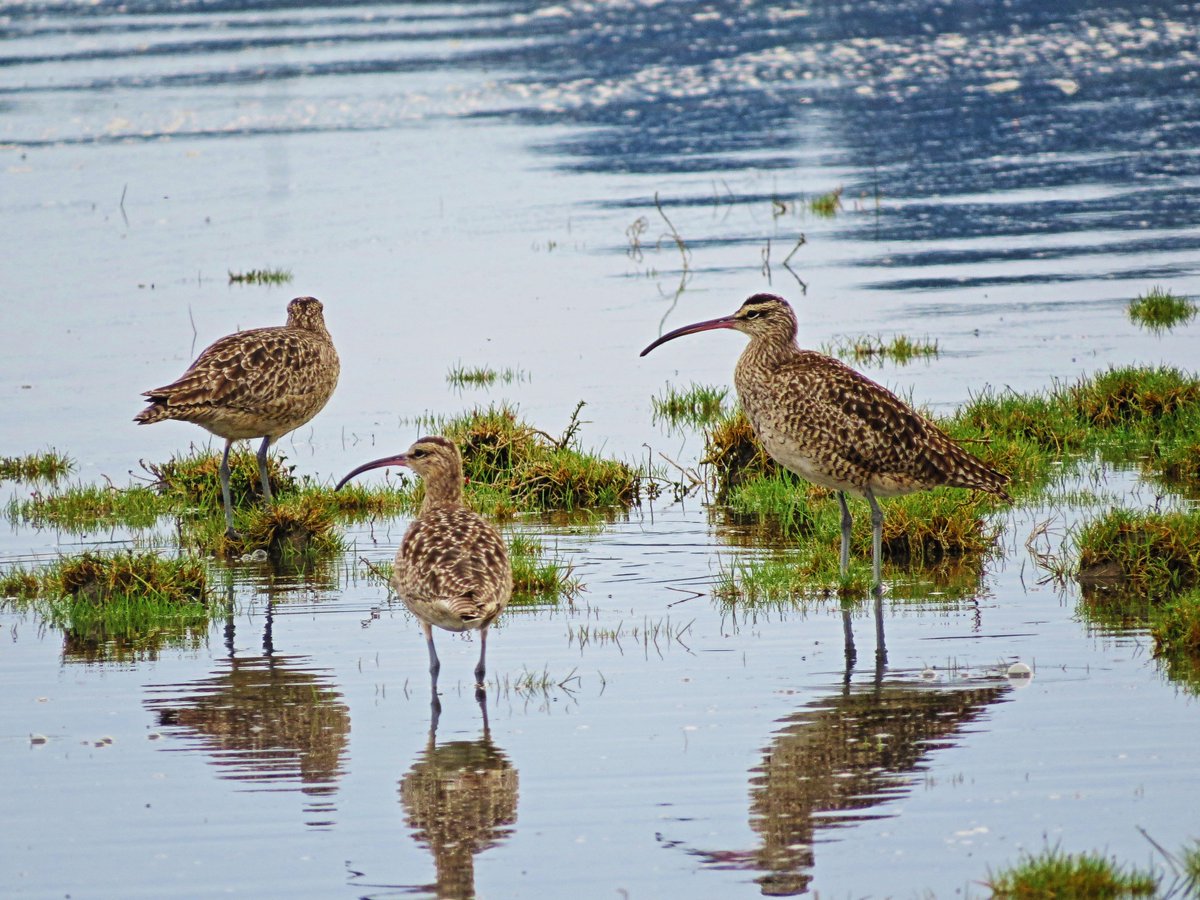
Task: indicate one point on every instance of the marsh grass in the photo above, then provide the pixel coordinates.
(122, 605)
(1054, 873)
(511, 466)
(1160, 309)
(49, 465)
(539, 578)
(193, 479)
(826, 205)
(261, 276)
(293, 531)
(783, 580)
(87, 507)
(1147, 553)
(698, 404)
(482, 376)
(735, 454)
(875, 349)
(1175, 626)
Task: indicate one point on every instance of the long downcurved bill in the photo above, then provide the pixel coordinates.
(709, 325)
(398, 460)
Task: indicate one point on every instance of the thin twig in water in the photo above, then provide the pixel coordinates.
(684, 253)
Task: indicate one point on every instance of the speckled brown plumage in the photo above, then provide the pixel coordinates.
(264, 382)
(834, 426)
(452, 568)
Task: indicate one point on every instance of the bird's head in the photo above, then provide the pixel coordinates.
(306, 312)
(436, 459)
(762, 317)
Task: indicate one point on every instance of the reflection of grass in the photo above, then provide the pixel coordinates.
(873, 348)
(261, 276)
(48, 466)
(537, 578)
(1176, 625)
(1054, 873)
(1160, 309)
(122, 605)
(698, 405)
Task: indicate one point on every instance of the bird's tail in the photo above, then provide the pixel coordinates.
(155, 412)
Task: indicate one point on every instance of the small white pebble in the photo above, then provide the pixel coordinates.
(38, 739)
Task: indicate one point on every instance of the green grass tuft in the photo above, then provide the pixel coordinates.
(538, 579)
(482, 376)
(193, 479)
(1159, 309)
(48, 466)
(1175, 626)
(1053, 873)
(826, 205)
(1148, 553)
(85, 508)
(261, 276)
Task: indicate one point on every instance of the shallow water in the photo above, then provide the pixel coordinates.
(459, 182)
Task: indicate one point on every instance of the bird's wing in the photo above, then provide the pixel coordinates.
(241, 370)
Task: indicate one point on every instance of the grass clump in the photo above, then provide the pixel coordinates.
(84, 508)
(826, 205)
(48, 466)
(1159, 309)
(1054, 873)
(875, 349)
(537, 578)
(482, 376)
(735, 454)
(699, 404)
(261, 276)
(511, 466)
(119, 606)
(1150, 554)
(1175, 626)
(292, 530)
(194, 479)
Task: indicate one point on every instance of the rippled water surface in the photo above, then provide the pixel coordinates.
(476, 183)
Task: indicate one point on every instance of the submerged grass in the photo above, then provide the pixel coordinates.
(49, 465)
(826, 205)
(1175, 626)
(1160, 309)
(1055, 873)
(539, 579)
(699, 404)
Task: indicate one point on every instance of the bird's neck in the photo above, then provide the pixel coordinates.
(768, 351)
(445, 491)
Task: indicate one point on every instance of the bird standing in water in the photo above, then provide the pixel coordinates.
(835, 427)
(452, 568)
(264, 382)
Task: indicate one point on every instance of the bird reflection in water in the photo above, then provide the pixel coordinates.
(459, 798)
(836, 761)
(267, 721)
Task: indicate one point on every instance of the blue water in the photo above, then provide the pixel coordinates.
(476, 183)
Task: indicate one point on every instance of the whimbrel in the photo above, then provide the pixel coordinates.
(835, 427)
(452, 568)
(263, 383)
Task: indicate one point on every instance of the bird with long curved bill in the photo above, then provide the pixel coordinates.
(452, 569)
(833, 426)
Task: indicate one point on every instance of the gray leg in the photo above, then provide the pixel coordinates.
(847, 522)
(876, 543)
(480, 670)
(848, 634)
(435, 664)
(229, 530)
(262, 470)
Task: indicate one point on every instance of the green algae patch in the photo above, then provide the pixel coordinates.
(1160, 309)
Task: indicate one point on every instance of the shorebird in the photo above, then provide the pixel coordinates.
(452, 568)
(833, 426)
(263, 383)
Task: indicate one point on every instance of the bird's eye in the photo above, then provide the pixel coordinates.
(753, 314)
(417, 454)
